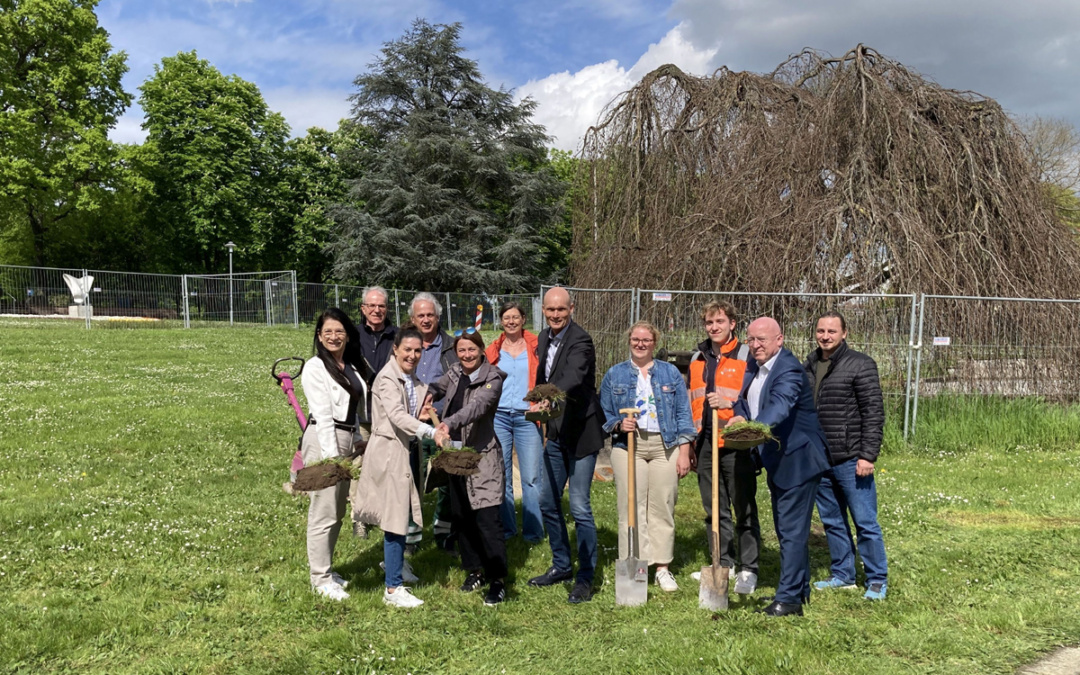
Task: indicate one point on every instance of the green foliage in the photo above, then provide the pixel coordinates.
(458, 186)
(313, 176)
(60, 92)
(144, 530)
(214, 155)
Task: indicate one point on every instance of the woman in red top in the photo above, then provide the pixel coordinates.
(514, 352)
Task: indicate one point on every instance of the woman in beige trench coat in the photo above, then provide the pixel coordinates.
(387, 492)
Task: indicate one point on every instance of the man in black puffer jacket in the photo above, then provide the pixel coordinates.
(847, 394)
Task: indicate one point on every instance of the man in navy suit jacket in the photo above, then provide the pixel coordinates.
(777, 392)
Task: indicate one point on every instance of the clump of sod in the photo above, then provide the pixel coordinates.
(463, 461)
(545, 392)
(324, 474)
(746, 435)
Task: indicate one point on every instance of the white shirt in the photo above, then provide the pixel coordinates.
(645, 402)
(753, 394)
(553, 347)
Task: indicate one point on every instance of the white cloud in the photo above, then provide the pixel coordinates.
(569, 103)
(306, 108)
(128, 128)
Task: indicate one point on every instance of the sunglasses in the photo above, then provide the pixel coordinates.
(467, 331)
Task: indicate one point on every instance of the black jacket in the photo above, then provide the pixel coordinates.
(376, 348)
(580, 429)
(849, 404)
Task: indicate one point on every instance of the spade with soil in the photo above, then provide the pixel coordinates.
(746, 435)
(322, 475)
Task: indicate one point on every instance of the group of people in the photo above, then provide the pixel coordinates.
(397, 395)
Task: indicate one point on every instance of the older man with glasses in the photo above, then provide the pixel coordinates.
(377, 332)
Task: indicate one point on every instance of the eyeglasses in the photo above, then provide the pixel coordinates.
(758, 341)
(371, 306)
(641, 341)
(468, 331)
(334, 333)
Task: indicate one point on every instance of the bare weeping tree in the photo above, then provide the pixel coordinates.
(848, 174)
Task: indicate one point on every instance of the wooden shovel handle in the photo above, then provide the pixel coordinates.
(631, 474)
(715, 488)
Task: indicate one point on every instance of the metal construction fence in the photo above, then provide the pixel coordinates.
(954, 354)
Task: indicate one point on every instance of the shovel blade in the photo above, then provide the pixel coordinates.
(631, 582)
(713, 593)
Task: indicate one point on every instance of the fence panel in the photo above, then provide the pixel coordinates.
(40, 293)
(606, 314)
(137, 299)
(462, 309)
(977, 352)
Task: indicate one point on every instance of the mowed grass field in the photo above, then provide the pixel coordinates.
(143, 529)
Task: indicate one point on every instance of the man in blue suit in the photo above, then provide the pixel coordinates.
(777, 392)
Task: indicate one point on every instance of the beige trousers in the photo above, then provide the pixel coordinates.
(327, 508)
(657, 488)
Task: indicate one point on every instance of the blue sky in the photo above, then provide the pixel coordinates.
(573, 56)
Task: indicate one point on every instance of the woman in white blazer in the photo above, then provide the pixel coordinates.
(337, 401)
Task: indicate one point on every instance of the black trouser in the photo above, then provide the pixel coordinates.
(738, 489)
(480, 533)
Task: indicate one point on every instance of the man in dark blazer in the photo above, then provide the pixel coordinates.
(567, 359)
(777, 392)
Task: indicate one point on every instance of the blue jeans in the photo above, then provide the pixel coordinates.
(393, 557)
(517, 433)
(842, 492)
(561, 469)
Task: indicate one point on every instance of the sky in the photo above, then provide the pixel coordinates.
(574, 56)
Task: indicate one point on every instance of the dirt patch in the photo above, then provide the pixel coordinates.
(457, 463)
(320, 477)
(1006, 519)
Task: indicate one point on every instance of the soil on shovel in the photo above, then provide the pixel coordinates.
(457, 462)
(320, 477)
(745, 435)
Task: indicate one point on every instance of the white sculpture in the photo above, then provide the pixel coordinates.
(80, 289)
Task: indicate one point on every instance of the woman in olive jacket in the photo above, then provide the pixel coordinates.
(472, 388)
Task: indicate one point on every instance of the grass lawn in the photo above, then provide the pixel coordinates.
(143, 529)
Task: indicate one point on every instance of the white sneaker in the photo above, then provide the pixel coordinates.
(401, 597)
(407, 574)
(696, 576)
(666, 581)
(339, 580)
(746, 582)
(332, 591)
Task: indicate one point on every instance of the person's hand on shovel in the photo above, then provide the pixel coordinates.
(629, 423)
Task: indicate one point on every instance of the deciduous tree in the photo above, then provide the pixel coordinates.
(60, 93)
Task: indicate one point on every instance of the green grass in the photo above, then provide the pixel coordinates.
(143, 530)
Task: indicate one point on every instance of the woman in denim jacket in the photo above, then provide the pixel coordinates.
(664, 433)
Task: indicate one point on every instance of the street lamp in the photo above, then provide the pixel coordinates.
(230, 246)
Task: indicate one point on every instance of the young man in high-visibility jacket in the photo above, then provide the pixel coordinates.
(715, 379)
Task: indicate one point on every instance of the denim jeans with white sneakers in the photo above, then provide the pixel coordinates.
(840, 493)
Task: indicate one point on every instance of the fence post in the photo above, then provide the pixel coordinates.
(337, 297)
(918, 364)
(911, 348)
(295, 303)
(187, 306)
(449, 315)
(88, 305)
(268, 301)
